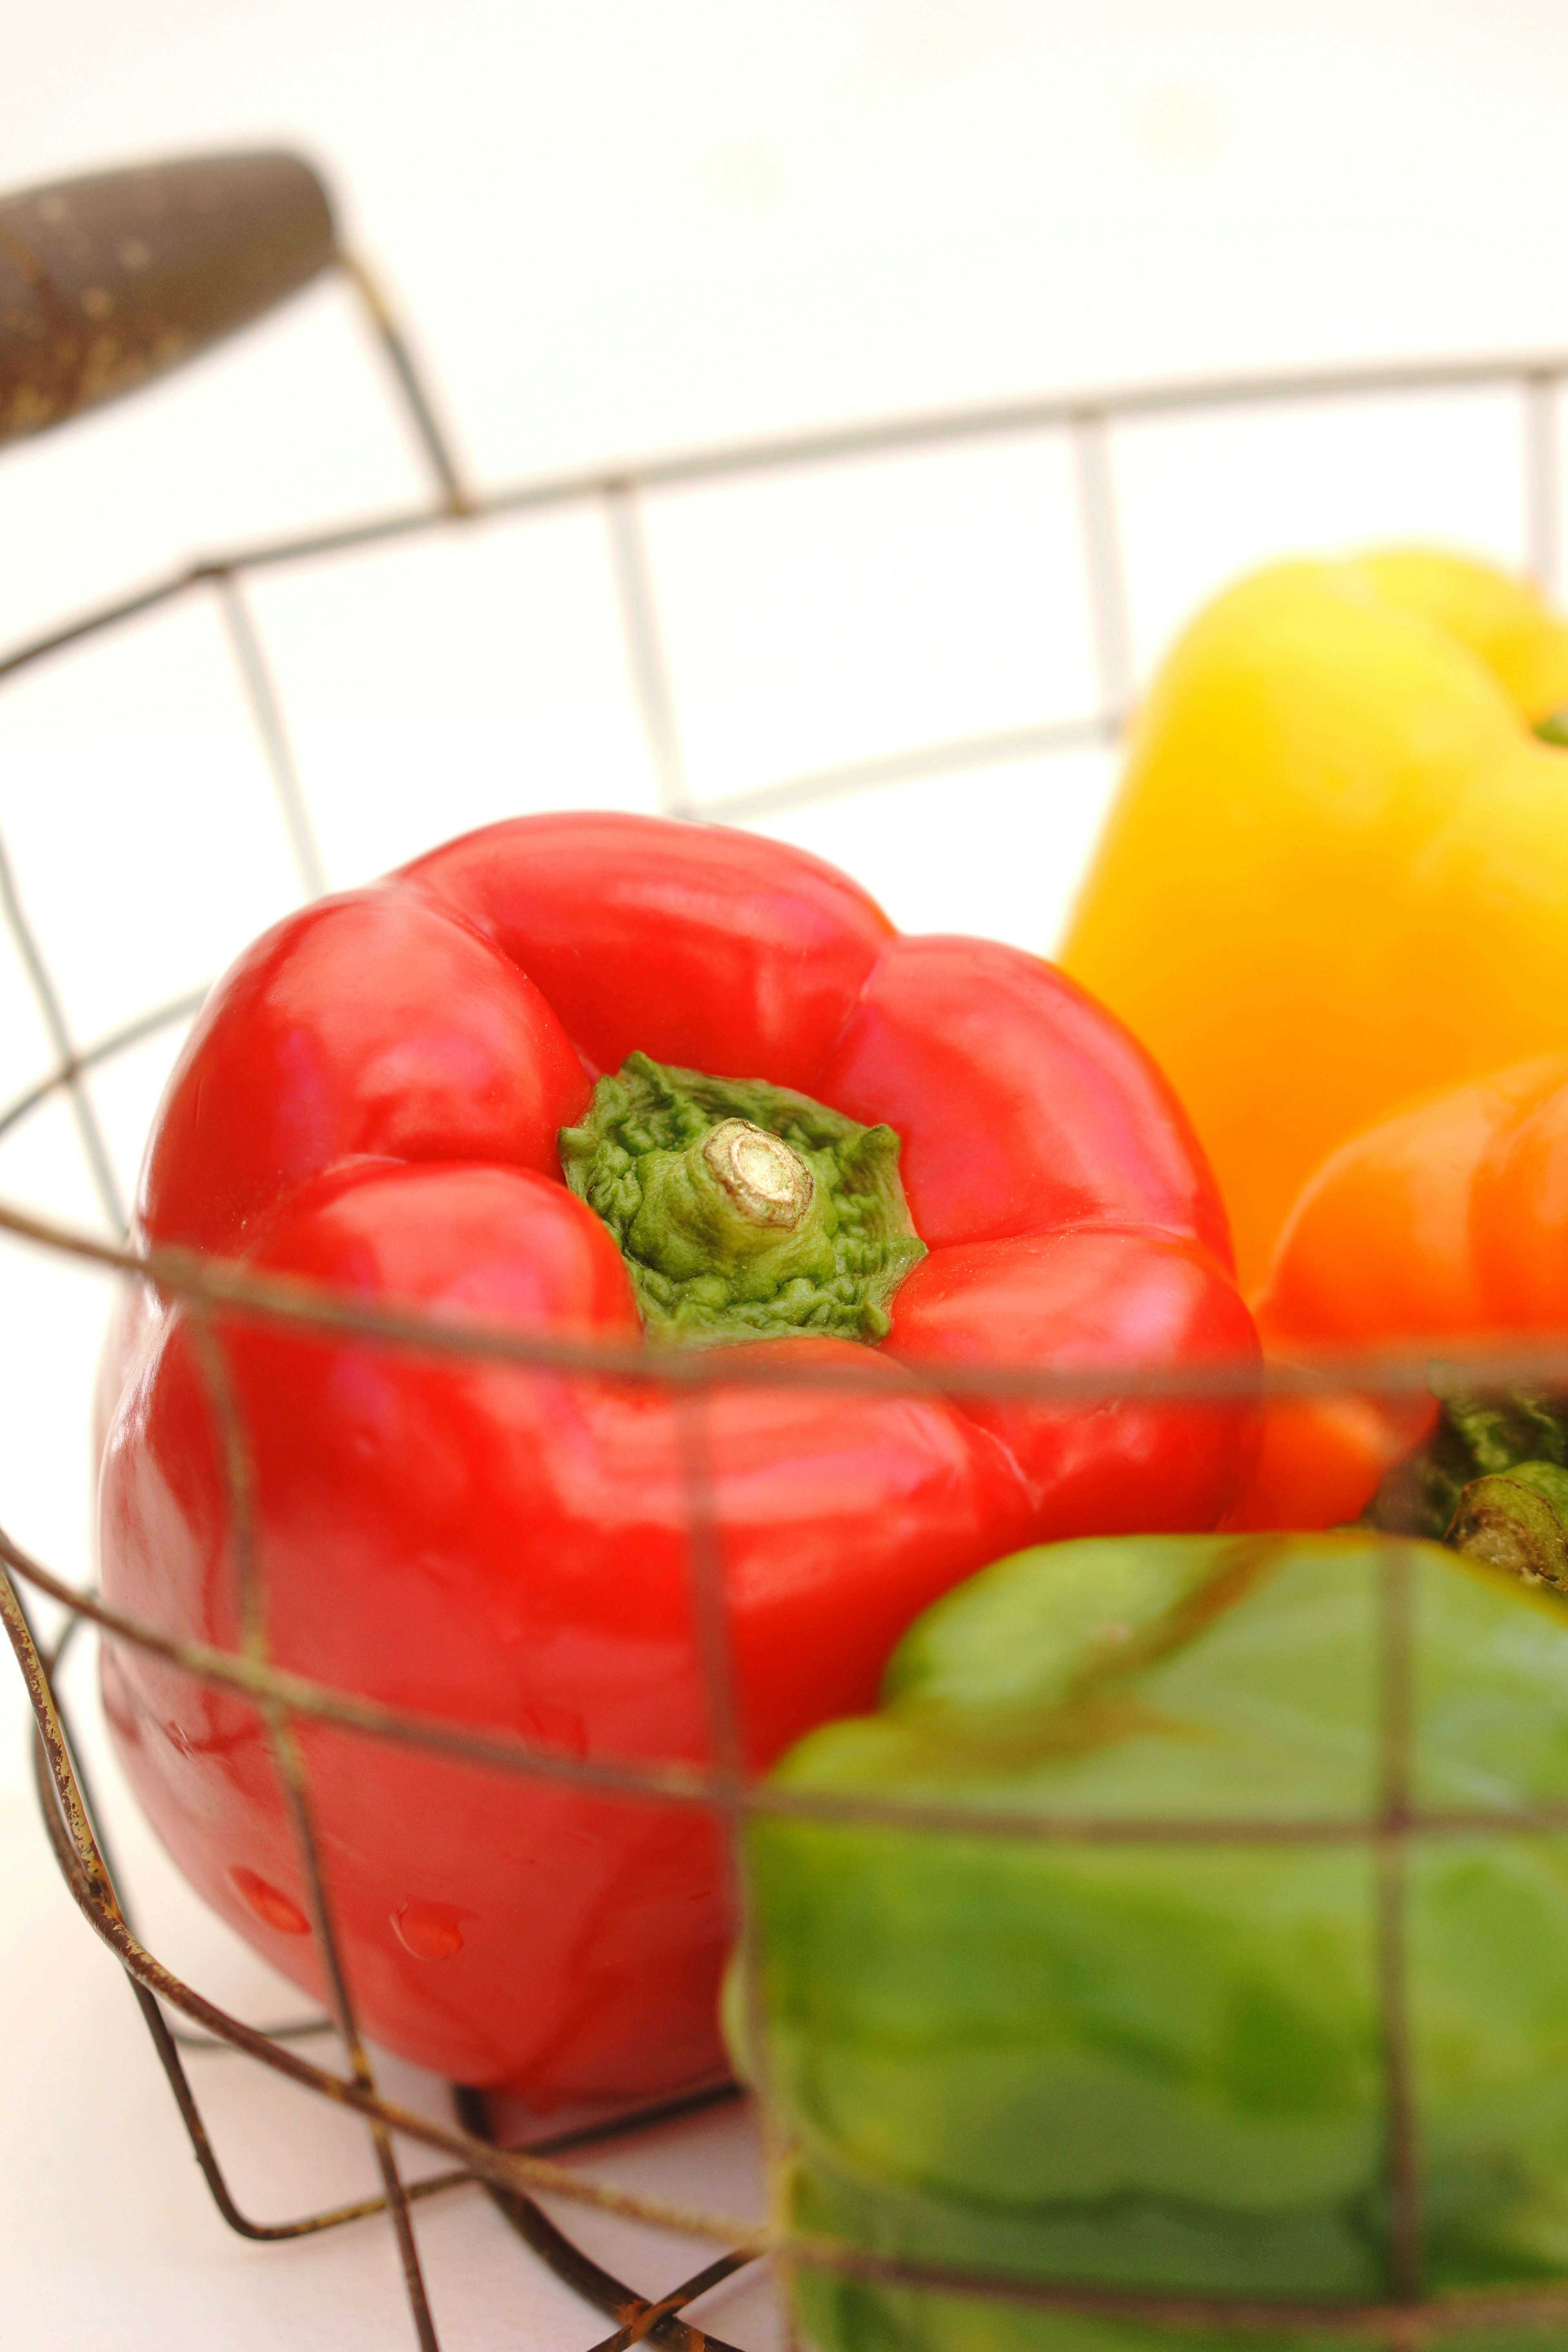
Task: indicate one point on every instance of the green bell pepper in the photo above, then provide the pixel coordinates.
(1149, 2052)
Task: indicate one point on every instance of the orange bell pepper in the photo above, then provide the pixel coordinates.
(1444, 1222)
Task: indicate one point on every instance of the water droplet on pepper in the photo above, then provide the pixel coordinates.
(430, 1931)
(270, 1903)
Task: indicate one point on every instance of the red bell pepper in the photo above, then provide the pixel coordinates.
(374, 1099)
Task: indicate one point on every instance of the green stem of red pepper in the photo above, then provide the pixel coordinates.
(743, 1211)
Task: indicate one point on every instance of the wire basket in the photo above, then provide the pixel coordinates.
(279, 201)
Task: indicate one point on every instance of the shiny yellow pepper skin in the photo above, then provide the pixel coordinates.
(1336, 872)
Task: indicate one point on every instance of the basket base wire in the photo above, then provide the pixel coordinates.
(638, 2316)
(66, 1806)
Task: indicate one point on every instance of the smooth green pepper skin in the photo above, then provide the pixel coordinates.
(1162, 2067)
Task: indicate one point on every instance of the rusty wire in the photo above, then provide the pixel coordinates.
(214, 1295)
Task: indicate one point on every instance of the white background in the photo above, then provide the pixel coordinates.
(619, 228)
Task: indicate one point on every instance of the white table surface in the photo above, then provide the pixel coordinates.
(619, 227)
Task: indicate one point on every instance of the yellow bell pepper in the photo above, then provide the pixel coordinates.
(1336, 872)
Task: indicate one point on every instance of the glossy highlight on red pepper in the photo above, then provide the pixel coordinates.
(372, 1099)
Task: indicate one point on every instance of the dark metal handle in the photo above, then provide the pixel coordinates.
(107, 282)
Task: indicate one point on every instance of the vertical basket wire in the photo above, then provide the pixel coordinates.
(216, 1295)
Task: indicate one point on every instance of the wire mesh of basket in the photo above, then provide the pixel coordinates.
(61, 368)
